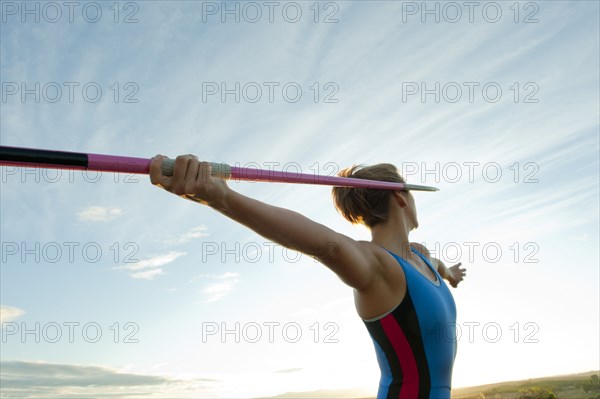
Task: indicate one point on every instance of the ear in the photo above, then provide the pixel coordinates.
(399, 198)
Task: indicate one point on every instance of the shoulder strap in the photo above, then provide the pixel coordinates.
(427, 262)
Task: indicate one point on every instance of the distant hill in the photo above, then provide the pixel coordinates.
(325, 393)
(563, 386)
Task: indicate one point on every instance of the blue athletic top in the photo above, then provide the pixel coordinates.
(416, 341)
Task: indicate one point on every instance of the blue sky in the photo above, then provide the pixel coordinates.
(138, 292)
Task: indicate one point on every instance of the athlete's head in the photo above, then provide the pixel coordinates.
(370, 206)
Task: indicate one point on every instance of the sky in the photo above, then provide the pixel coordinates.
(112, 287)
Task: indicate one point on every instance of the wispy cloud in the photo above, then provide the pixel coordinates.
(582, 237)
(196, 232)
(98, 214)
(225, 275)
(155, 261)
(51, 380)
(8, 313)
(148, 269)
(148, 274)
(217, 290)
(292, 370)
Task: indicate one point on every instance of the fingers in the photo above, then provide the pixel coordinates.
(180, 169)
(156, 176)
(457, 274)
(186, 171)
(461, 271)
(204, 171)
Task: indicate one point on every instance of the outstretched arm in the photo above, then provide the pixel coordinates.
(349, 259)
(453, 274)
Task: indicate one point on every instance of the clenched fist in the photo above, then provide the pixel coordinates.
(191, 180)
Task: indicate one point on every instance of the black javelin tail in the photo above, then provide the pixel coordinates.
(35, 156)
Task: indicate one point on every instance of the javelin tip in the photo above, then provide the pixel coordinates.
(415, 187)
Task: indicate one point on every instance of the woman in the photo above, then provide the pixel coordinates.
(399, 293)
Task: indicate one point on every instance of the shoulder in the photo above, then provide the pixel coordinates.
(422, 249)
(385, 261)
(382, 255)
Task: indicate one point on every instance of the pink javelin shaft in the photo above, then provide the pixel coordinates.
(29, 157)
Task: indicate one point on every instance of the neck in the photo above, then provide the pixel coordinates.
(393, 235)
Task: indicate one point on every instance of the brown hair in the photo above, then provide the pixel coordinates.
(363, 205)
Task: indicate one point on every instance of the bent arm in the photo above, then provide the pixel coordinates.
(441, 268)
(454, 274)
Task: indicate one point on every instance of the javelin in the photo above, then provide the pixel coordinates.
(30, 157)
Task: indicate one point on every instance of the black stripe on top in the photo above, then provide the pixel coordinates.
(30, 155)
